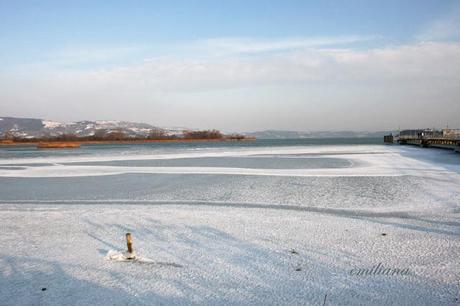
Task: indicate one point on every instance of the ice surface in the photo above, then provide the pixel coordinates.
(364, 161)
(219, 226)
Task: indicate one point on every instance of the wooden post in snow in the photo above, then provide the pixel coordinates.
(129, 242)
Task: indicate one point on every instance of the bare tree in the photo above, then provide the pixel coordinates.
(205, 134)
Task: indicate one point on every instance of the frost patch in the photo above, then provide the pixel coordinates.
(113, 255)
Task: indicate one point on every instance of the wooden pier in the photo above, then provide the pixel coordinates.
(442, 143)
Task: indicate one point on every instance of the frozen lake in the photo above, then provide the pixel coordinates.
(270, 222)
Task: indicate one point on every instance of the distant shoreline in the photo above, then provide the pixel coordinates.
(76, 144)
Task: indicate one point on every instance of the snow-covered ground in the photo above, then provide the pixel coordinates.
(280, 225)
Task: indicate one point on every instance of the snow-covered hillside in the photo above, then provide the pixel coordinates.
(32, 128)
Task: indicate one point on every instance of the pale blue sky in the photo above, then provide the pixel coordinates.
(233, 65)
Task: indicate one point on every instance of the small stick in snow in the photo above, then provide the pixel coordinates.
(292, 251)
(325, 297)
(129, 242)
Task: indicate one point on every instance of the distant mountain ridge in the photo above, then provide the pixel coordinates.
(281, 134)
(36, 128)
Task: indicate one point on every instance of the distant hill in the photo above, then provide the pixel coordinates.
(280, 134)
(36, 128)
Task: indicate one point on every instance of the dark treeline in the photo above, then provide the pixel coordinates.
(120, 135)
(212, 134)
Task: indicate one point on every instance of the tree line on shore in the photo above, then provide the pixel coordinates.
(120, 135)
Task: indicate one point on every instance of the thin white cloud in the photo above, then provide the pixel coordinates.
(422, 62)
(229, 45)
(93, 57)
